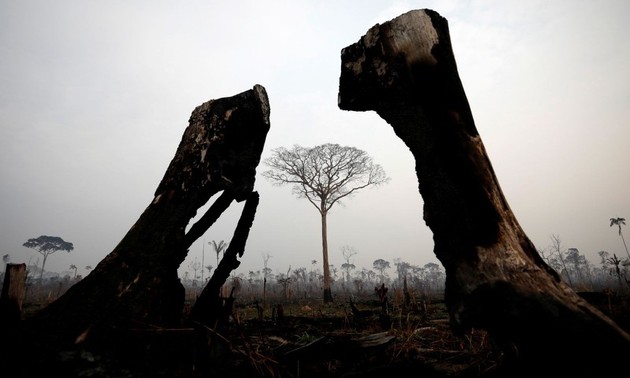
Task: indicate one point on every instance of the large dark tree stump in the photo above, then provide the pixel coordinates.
(137, 284)
(405, 70)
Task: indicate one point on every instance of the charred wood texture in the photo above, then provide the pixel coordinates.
(13, 293)
(210, 308)
(137, 283)
(405, 70)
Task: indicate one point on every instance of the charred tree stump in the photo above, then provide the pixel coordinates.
(137, 283)
(405, 70)
(209, 309)
(12, 297)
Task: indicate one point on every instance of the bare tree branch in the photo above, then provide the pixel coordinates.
(324, 175)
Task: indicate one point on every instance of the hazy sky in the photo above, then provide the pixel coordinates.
(95, 96)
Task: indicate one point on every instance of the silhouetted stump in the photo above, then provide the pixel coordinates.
(405, 70)
(137, 284)
(12, 297)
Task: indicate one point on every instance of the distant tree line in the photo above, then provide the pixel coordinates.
(611, 273)
(307, 283)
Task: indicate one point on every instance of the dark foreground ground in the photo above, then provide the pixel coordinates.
(302, 339)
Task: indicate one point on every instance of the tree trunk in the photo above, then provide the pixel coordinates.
(327, 284)
(405, 70)
(137, 283)
(624, 243)
(41, 274)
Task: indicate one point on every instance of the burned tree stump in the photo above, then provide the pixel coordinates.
(210, 308)
(137, 283)
(405, 70)
(12, 297)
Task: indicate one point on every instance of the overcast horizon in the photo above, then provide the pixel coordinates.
(96, 97)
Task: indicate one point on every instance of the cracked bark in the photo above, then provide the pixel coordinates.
(137, 283)
(405, 70)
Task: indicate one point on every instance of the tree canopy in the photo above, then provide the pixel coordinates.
(46, 246)
(618, 221)
(219, 247)
(324, 175)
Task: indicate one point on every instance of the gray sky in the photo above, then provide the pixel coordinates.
(96, 95)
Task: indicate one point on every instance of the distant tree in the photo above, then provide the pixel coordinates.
(615, 270)
(604, 269)
(218, 248)
(46, 246)
(556, 246)
(209, 269)
(6, 258)
(552, 260)
(285, 280)
(359, 285)
(381, 265)
(370, 275)
(545, 257)
(74, 267)
(324, 175)
(203, 259)
(347, 267)
(402, 269)
(334, 270)
(251, 279)
(195, 266)
(312, 275)
(88, 268)
(578, 263)
(299, 275)
(266, 273)
(347, 252)
(435, 276)
(619, 222)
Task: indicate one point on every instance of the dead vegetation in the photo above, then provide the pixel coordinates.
(296, 338)
(354, 336)
(335, 340)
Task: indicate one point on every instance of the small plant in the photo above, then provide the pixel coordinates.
(305, 338)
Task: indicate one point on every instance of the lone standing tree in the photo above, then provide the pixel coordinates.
(324, 175)
(619, 222)
(46, 246)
